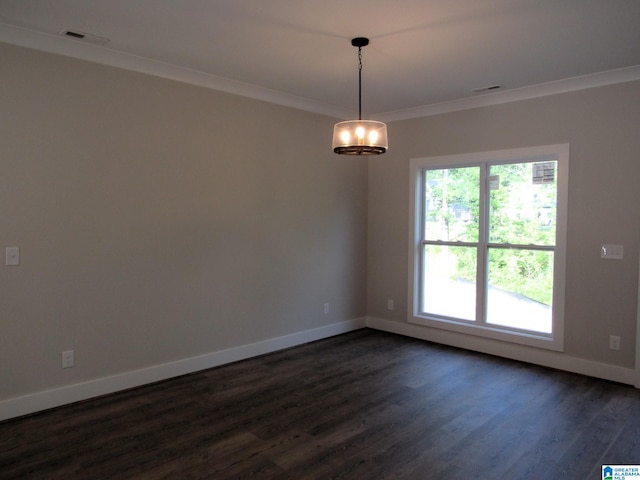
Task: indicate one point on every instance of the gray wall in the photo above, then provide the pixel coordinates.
(159, 221)
(602, 126)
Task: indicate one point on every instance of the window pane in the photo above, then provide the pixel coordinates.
(523, 203)
(520, 289)
(449, 281)
(452, 204)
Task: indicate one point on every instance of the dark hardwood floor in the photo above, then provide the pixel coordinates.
(364, 405)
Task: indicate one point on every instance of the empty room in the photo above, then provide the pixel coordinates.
(319, 240)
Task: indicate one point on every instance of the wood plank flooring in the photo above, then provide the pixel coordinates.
(364, 405)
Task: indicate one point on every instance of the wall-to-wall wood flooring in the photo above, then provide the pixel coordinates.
(364, 405)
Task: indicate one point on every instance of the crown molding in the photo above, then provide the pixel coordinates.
(60, 45)
(599, 79)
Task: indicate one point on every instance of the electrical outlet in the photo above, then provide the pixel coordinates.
(390, 304)
(12, 256)
(326, 308)
(67, 359)
(614, 342)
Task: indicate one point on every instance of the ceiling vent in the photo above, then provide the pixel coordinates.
(492, 88)
(85, 37)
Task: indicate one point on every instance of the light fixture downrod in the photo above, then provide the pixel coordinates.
(360, 42)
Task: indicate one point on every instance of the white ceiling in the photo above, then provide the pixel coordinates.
(423, 55)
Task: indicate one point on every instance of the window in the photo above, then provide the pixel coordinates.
(488, 234)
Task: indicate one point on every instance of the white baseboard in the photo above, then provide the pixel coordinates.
(536, 356)
(35, 402)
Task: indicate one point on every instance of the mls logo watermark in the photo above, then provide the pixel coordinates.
(621, 472)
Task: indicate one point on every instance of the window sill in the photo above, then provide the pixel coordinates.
(531, 339)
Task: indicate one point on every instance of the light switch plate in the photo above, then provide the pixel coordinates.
(612, 252)
(12, 256)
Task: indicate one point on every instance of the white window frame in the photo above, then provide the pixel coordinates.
(560, 153)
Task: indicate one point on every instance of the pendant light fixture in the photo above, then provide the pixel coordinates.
(360, 137)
